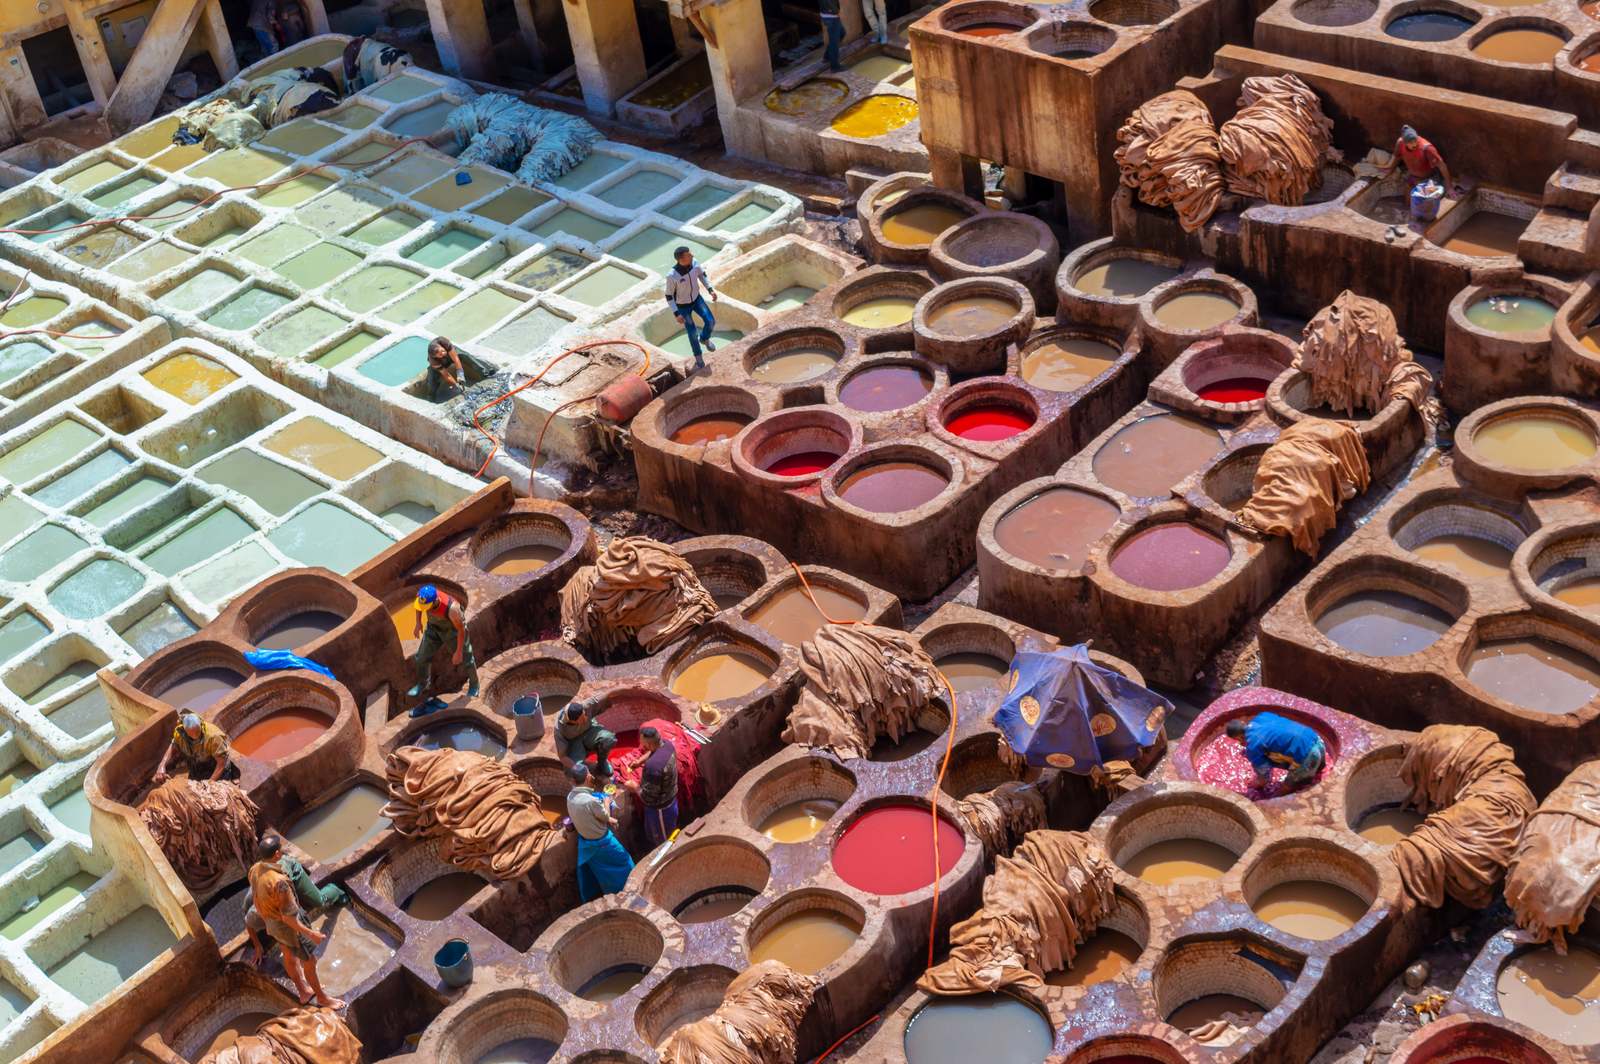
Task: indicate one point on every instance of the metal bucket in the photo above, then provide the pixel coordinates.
(527, 713)
(454, 963)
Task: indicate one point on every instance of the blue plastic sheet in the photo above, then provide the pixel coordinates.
(1064, 711)
(271, 660)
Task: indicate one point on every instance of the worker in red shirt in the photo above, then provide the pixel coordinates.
(1422, 160)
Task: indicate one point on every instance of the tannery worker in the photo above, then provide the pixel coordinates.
(449, 368)
(579, 735)
(684, 282)
(446, 626)
(603, 865)
(199, 748)
(312, 898)
(1421, 158)
(273, 898)
(1271, 741)
(657, 789)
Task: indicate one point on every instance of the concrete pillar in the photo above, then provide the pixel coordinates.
(22, 95)
(683, 38)
(316, 17)
(606, 50)
(214, 33)
(741, 68)
(91, 49)
(959, 173)
(854, 21)
(461, 33)
(528, 30)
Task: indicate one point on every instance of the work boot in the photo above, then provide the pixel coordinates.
(415, 690)
(711, 345)
(432, 705)
(472, 688)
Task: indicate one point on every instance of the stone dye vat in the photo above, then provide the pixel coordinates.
(1136, 539)
(1500, 341)
(1518, 996)
(873, 461)
(1274, 912)
(1493, 630)
(332, 284)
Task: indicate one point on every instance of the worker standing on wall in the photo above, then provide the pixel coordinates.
(1421, 158)
(657, 789)
(684, 281)
(273, 899)
(877, 16)
(1271, 741)
(603, 865)
(832, 32)
(449, 368)
(579, 736)
(446, 624)
(200, 748)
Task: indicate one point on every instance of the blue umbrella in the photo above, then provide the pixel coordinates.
(1064, 711)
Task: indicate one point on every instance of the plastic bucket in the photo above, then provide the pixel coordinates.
(454, 962)
(527, 713)
(1425, 200)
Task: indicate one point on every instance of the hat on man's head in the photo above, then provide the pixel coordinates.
(427, 597)
(1407, 133)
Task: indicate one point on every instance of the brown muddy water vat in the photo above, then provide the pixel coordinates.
(1519, 1001)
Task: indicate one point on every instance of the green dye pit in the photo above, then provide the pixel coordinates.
(83, 479)
(221, 578)
(88, 336)
(100, 965)
(398, 364)
(355, 116)
(124, 502)
(363, 154)
(38, 552)
(16, 516)
(247, 309)
(652, 248)
(295, 191)
(94, 589)
(161, 627)
(409, 516)
(93, 175)
(301, 331)
(576, 224)
(46, 451)
(387, 227)
(35, 310)
(158, 256)
(201, 290)
(592, 169)
(678, 342)
(408, 173)
(20, 357)
(123, 191)
(484, 261)
(402, 88)
(788, 298)
(422, 122)
(347, 349)
(699, 202)
(751, 214)
(21, 633)
(637, 189)
(372, 287)
(325, 534)
(274, 487)
(511, 204)
(527, 331)
(445, 248)
(71, 676)
(218, 236)
(84, 715)
(473, 316)
(19, 849)
(316, 266)
(15, 776)
(72, 809)
(210, 535)
(419, 302)
(601, 285)
(276, 244)
(303, 136)
(239, 166)
(550, 269)
(46, 905)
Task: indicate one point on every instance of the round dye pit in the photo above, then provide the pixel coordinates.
(460, 735)
(795, 365)
(524, 558)
(989, 422)
(1238, 1011)
(889, 850)
(1522, 45)
(802, 464)
(794, 615)
(874, 116)
(441, 897)
(1310, 908)
(1511, 314)
(1471, 556)
(1384, 624)
(798, 821)
(1388, 824)
(716, 903)
(1067, 365)
(1180, 862)
(711, 428)
(1428, 26)
(1584, 593)
(1535, 674)
(1103, 956)
(881, 312)
(1234, 390)
(280, 734)
(988, 29)
(1055, 528)
(201, 689)
(1127, 278)
(1557, 996)
(1220, 761)
(892, 487)
(520, 1051)
(342, 823)
(299, 629)
(920, 224)
(1148, 457)
(880, 388)
(1189, 311)
(972, 316)
(613, 982)
(971, 671)
(1170, 557)
(994, 1028)
(1542, 443)
(731, 674)
(807, 941)
(239, 1027)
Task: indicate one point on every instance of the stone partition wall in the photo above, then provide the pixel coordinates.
(1464, 600)
(1205, 937)
(1478, 1017)
(1093, 551)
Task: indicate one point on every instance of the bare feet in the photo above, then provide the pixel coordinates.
(330, 1002)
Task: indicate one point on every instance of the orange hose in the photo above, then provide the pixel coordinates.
(938, 783)
(846, 1038)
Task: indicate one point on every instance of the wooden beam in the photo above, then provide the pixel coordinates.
(171, 25)
(92, 53)
(316, 17)
(218, 43)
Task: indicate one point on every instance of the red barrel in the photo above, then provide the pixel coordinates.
(623, 398)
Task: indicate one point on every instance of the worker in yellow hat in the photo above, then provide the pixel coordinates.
(446, 623)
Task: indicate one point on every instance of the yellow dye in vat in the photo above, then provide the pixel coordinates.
(447, 195)
(807, 97)
(921, 223)
(240, 166)
(192, 378)
(32, 311)
(294, 191)
(1539, 442)
(151, 141)
(882, 312)
(179, 156)
(874, 116)
(879, 67)
(323, 448)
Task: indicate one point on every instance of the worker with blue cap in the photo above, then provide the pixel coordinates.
(1271, 741)
(446, 625)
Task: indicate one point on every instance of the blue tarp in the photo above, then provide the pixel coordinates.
(1063, 710)
(270, 660)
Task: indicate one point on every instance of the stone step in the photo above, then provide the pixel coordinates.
(1573, 188)
(1554, 242)
(1583, 148)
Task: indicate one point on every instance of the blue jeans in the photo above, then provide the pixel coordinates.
(686, 313)
(833, 33)
(267, 41)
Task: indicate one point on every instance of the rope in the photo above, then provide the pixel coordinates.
(846, 1038)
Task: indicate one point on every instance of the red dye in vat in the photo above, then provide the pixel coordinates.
(1221, 763)
(627, 743)
(1235, 390)
(988, 29)
(890, 850)
(280, 734)
(803, 464)
(986, 424)
(1170, 557)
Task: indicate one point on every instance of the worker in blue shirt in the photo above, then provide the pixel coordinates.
(1271, 741)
